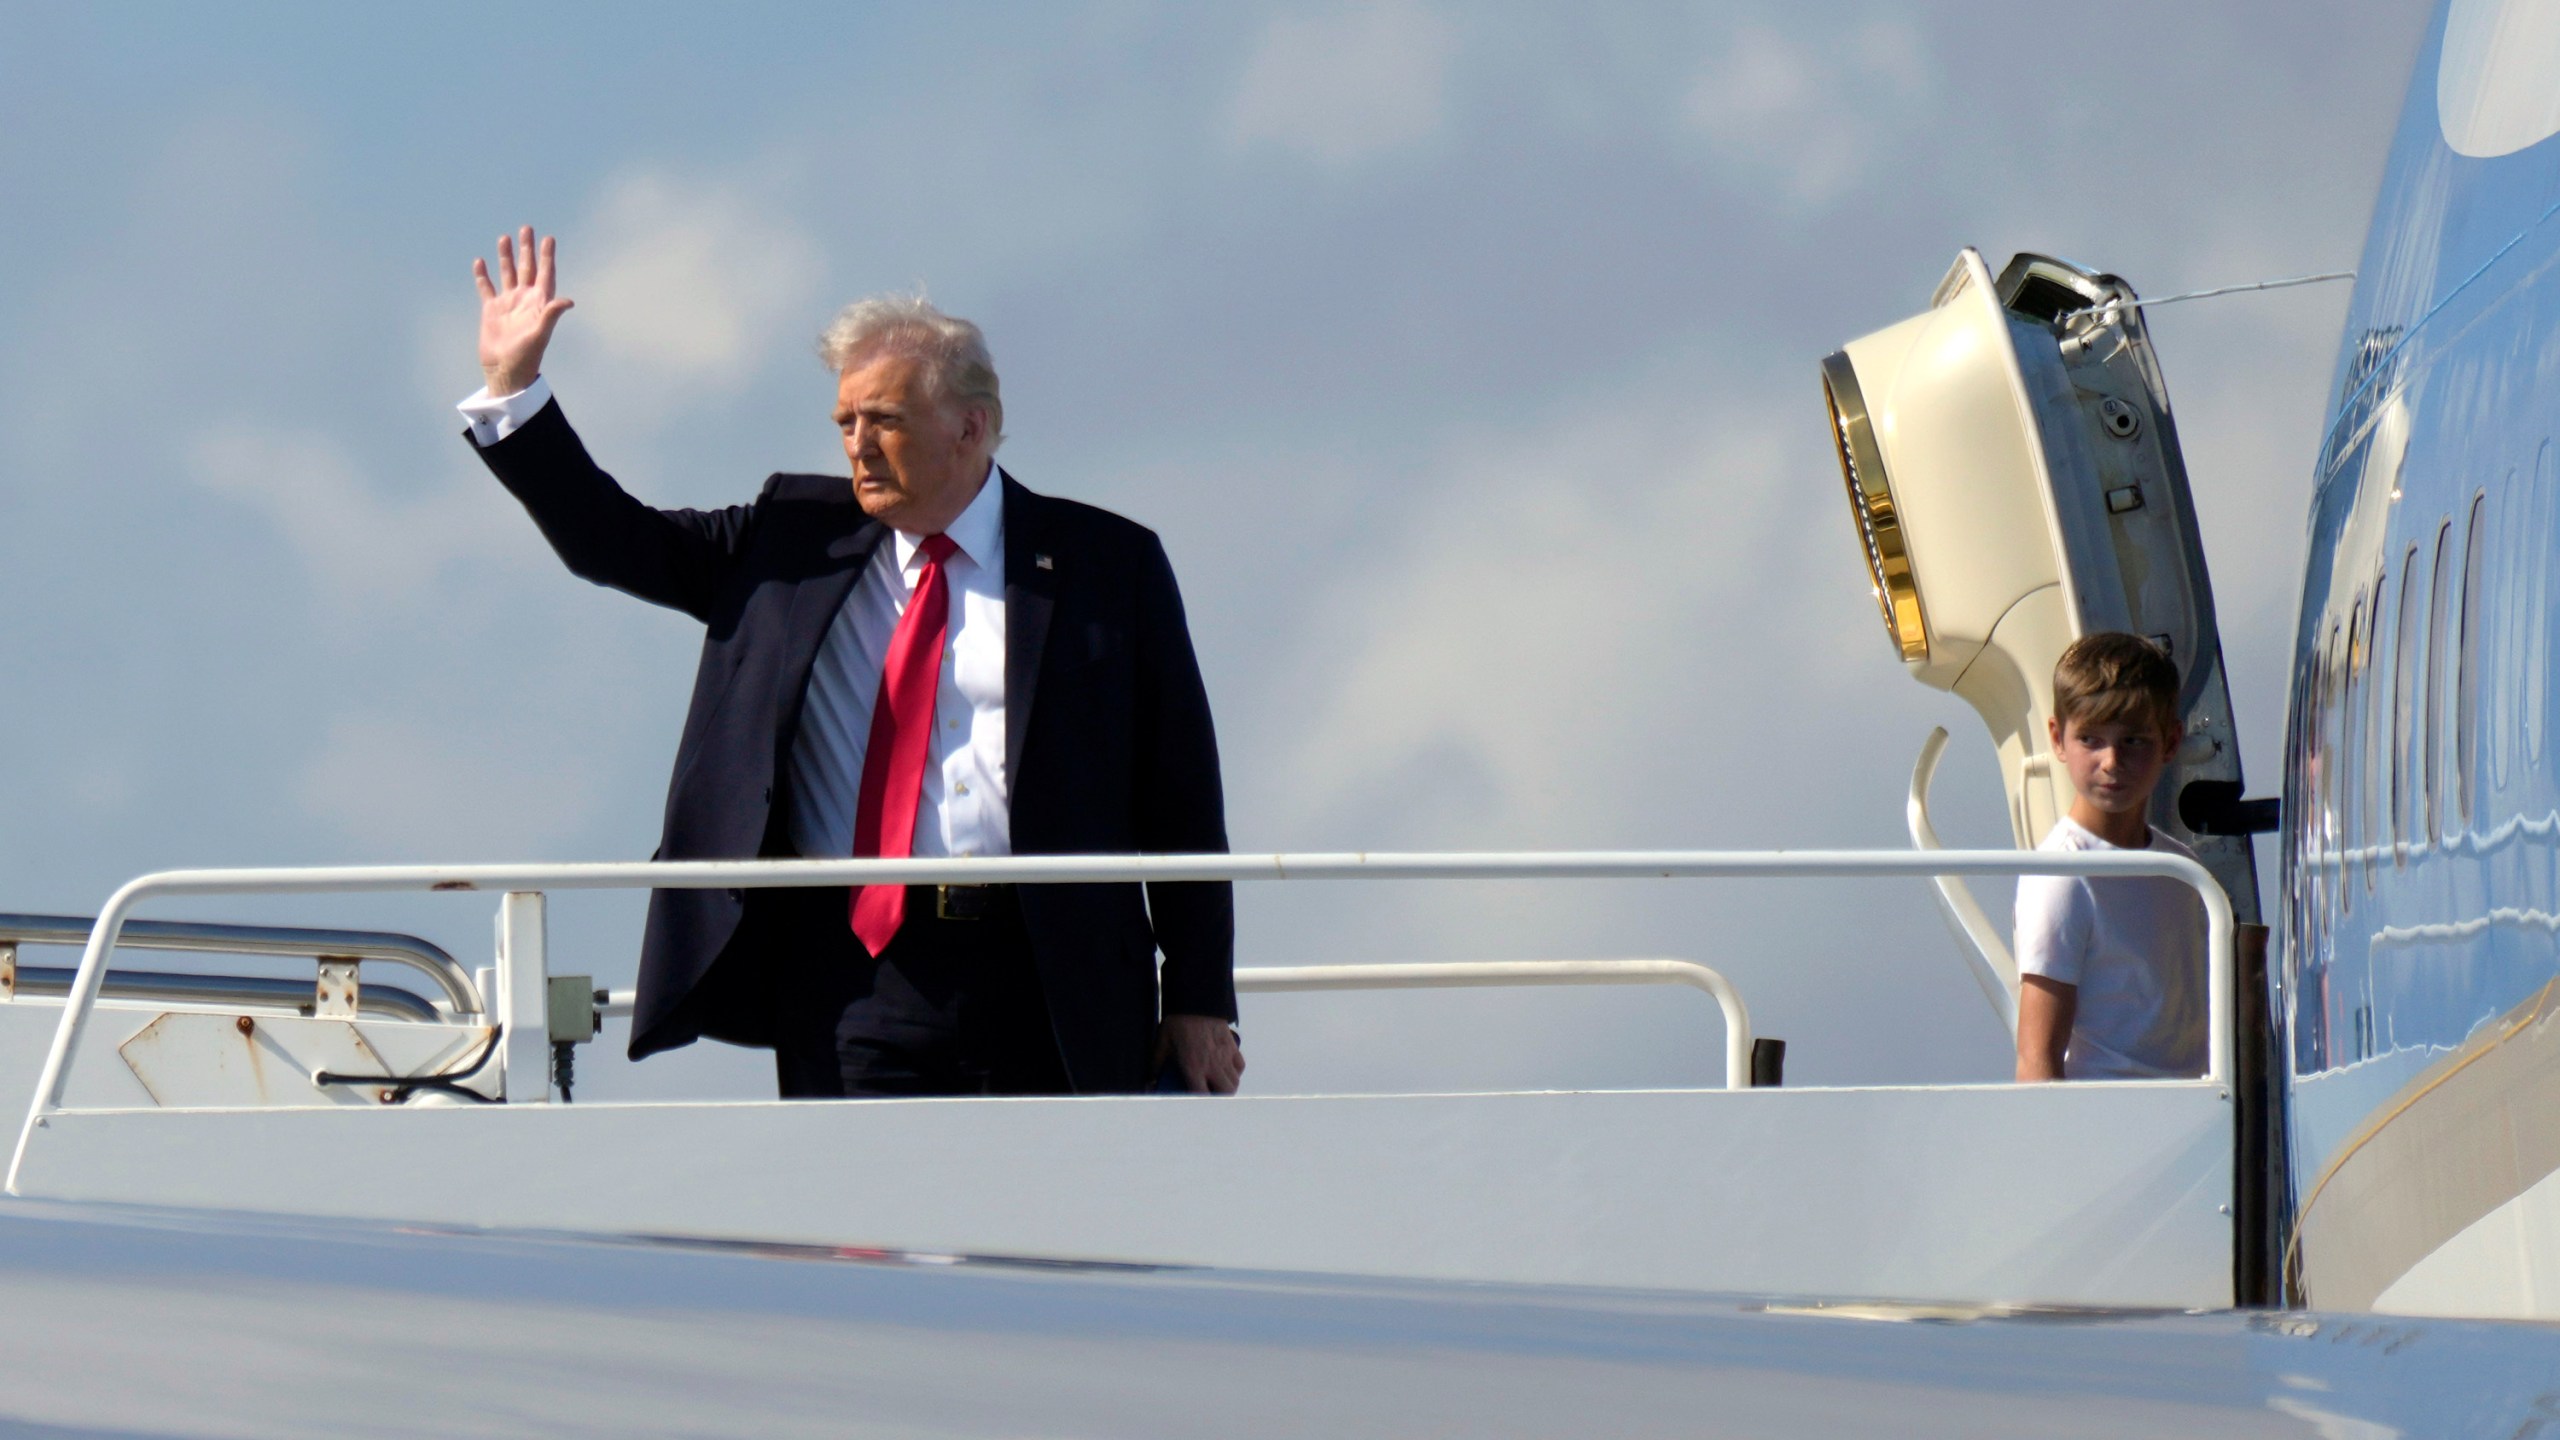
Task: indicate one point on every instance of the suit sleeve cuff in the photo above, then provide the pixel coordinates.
(1199, 991)
(495, 417)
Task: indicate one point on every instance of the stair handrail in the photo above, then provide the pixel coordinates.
(741, 875)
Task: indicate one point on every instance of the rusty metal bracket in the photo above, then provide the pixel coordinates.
(339, 989)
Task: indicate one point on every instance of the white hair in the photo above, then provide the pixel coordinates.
(957, 368)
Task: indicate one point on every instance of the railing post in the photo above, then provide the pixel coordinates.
(2258, 1218)
(524, 999)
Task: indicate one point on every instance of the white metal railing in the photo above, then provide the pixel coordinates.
(1478, 974)
(1473, 974)
(521, 910)
(204, 938)
(271, 994)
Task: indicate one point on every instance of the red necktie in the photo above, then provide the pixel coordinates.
(884, 817)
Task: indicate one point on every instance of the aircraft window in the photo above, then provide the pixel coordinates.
(2466, 685)
(2311, 838)
(2440, 589)
(2404, 674)
(2326, 758)
(2537, 617)
(2297, 782)
(2377, 728)
(2349, 753)
(2333, 676)
(2504, 622)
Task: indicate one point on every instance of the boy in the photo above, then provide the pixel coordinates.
(2111, 972)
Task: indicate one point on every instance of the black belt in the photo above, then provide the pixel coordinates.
(969, 902)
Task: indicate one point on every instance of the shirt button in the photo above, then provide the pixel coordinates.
(962, 788)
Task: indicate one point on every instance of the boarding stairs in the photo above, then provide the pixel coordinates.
(436, 1106)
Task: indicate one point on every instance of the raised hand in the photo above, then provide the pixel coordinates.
(518, 312)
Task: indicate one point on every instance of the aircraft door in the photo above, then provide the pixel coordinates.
(2014, 473)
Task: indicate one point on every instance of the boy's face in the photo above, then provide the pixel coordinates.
(2115, 763)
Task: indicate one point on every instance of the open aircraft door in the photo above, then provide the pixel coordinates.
(2015, 477)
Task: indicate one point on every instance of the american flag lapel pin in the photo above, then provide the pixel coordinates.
(1044, 562)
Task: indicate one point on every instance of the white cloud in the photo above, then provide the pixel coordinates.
(357, 542)
(1812, 116)
(398, 788)
(683, 289)
(684, 285)
(1541, 622)
(1346, 84)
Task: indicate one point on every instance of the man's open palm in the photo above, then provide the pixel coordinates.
(518, 312)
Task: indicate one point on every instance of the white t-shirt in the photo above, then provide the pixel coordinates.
(2134, 945)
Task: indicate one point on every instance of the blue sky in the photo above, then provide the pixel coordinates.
(1464, 355)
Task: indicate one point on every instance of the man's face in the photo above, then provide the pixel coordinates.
(916, 461)
(2114, 763)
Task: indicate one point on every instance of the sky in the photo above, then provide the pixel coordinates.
(1464, 356)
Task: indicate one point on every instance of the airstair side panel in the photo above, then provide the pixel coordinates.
(2082, 1194)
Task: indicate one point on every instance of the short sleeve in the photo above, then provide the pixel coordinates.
(2054, 924)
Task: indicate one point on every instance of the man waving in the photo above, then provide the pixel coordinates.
(925, 659)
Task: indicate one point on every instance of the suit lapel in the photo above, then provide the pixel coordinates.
(814, 603)
(1030, 594)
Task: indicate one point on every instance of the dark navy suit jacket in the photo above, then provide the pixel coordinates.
(1108, 743)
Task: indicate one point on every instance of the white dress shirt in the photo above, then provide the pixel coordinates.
(495, 417)
(963, 808)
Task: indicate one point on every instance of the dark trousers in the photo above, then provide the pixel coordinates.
(953, 1007)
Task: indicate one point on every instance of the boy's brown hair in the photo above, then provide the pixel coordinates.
(2110, 676)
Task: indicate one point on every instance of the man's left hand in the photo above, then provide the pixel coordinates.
(1203, 1051)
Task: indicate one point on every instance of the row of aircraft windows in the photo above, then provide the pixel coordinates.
(2391, 753)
